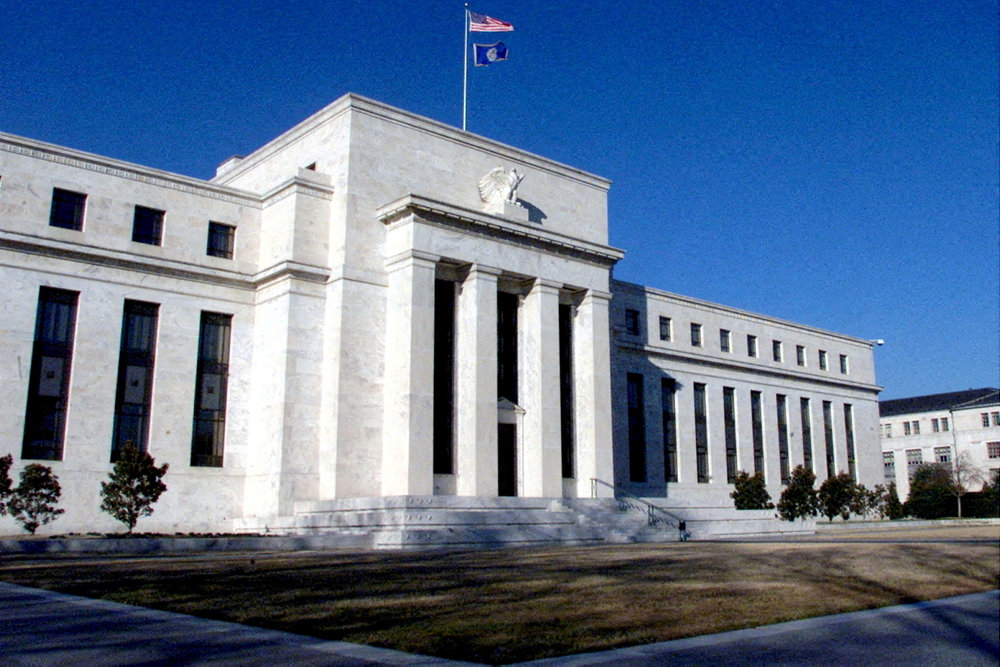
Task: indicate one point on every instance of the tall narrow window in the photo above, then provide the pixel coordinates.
(147, 226)
(208, 438)
(889, 467)
(48, 387)
(725, 340)
(729, 421)
(776, 352)
(636, 429)
(221, 240)
(944, 423)
(701, 432)
(822, 360)
(67, 209)
(507, 305)
(807, 445)
(751, 345)
(444, 376)
(632, 322)
(668, 391)
(831, 468)
(783, 437)
(696, 335)
(800, 355)
(568, 421)
(844, 364)
(136, 357)
(757, 428)
(849, 439)
(914, 457)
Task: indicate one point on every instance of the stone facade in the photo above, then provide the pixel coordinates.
(378, 330)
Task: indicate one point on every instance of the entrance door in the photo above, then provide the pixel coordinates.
(507, 459)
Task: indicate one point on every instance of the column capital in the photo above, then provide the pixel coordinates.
(595, 295)
(410, 258)
(545, 285)
(482, 270)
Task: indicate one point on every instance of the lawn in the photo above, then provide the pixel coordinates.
(518, 604)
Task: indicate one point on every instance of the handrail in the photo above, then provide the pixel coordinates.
(654, 513)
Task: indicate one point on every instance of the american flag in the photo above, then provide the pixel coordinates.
(483, 23)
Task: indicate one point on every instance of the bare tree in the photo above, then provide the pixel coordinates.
(965, 474)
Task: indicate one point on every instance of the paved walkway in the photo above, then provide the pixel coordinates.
(44, 628)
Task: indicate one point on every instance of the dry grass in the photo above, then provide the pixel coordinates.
(508, 605)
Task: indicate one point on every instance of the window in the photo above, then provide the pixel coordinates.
(751, 346)
(844, 366)
(942, 455)
(831, 466)
(822, 360)
(48, 387)
(668, 391)
(889, 466)
(725, 340)
(804, 411)
(636, 429)
(935, 426)
(800, 355)
(665, 328)
(443, 434)
(136, 357)
(913, 460)
(209, 430)
(916, 428)
(995, 416)
(696, 335)
(729, 421)
(849, 440)
(67, 209)
(906, 428)
(783, 437)
(147, 226)
(221, 240)
(701, 432)
(776, 351)
(632, 322)
(944, 424)
(993, 450)
(757, 430)
(986, 419)
(888, 430)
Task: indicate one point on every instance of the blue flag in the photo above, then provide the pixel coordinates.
(490, 53)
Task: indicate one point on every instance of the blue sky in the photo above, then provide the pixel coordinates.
(830, 163)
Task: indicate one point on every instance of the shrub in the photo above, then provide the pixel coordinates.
(5, 482)
(892, 507)
(836, 494)
(798, 500)
(33, 502)
(931, 493)
(751, 492)
(133, 485)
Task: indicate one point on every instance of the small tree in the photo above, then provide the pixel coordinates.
(798, 500)
(964, 475)
(133, 485)
(33, 502)
(930, 492)
(751, 492)
(5, 482)
(863, 502)
(836, 495)
(893, 507)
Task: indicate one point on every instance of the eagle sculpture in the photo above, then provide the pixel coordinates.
(499, 187)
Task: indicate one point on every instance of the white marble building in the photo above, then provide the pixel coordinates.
(937, 429)
(359, 310)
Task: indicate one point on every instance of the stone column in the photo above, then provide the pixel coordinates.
(476, 384)
(592, 393)
(408, 389)
(540, 458)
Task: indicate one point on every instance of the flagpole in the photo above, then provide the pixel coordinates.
(465, 64)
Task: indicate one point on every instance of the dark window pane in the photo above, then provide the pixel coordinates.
(147, 226)
(67, 209)
(221, 240)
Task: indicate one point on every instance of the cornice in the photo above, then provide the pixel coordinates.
(719, 364)
(736, 313)
(125, 170)
(439, 213)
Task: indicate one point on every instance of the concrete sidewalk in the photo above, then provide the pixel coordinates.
(43, 628)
